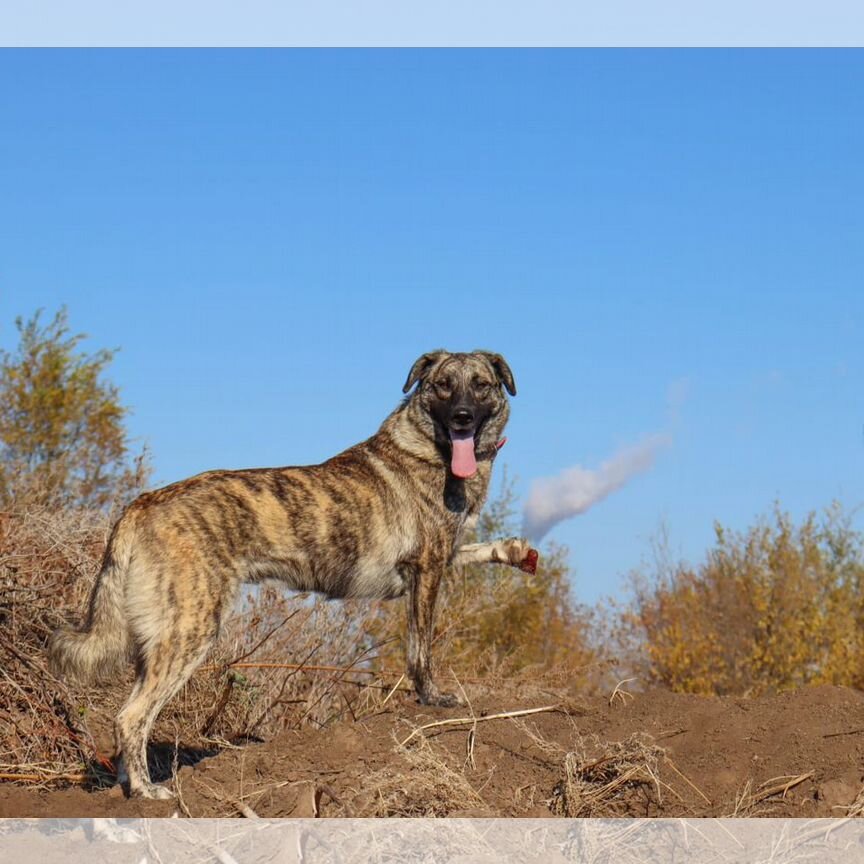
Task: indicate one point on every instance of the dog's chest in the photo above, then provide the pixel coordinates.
(463, 499)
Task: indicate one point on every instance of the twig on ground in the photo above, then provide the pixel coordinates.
(747, 799)
(392, 691)
(45, 778)
(687, 780)
(221, 795)
(461, 721)
(472, 733)
(847, 732)
(766, 791)
(620, 693)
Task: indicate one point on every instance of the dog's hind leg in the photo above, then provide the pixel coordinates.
(513, 551)
(163, 670)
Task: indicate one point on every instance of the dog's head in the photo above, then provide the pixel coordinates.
(461, 402)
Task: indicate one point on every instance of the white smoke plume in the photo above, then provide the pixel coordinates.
(575, 490)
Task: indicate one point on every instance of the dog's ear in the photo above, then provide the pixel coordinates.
(421, 367)
(502, 370)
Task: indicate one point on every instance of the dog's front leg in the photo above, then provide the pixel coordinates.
(424, 580)
(513, 551)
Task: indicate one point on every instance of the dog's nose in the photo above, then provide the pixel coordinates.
(463, 417)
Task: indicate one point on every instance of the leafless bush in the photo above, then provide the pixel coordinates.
(47, 564)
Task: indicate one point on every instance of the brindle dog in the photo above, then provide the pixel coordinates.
(380, 520)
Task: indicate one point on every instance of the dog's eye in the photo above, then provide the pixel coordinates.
(443, 384)
(481, 388)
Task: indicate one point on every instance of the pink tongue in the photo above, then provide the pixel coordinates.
(463, 463)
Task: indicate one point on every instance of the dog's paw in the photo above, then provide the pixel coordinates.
(521, 555)
(440, 700)
(529, 563)
(152, 790)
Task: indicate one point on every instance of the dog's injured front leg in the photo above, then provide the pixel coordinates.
(514, 551)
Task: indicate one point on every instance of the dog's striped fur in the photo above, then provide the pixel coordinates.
(380, 520)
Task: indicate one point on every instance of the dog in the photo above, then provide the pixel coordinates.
(383, 519)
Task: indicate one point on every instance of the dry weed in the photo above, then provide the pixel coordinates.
(856, 808)
(47, 564)
(748, 799)
(423, 785)
(599, 776)
(598, 773)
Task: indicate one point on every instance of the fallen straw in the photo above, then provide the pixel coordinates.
(687, 780)
(308, 667)
(768, 791)
(457, 721)
(45, 778)
(213, 667)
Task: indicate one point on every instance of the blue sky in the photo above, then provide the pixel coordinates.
(658, 241)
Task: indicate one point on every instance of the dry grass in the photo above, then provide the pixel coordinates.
(47, 562)
(598, 777)
(602, 778)
(856, 808)
(423, 785)
(609, 778)
(304, 661)
(749, 799)
(599, 774)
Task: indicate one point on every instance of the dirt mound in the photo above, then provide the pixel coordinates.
(653, 754)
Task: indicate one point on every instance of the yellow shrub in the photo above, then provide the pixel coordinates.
(776, 606)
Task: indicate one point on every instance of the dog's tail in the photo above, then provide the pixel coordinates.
(98, 650)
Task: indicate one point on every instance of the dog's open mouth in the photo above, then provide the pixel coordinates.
(463, 462)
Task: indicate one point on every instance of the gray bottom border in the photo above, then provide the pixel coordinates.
(448, 841)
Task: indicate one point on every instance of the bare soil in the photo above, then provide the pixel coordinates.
(795, 754)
